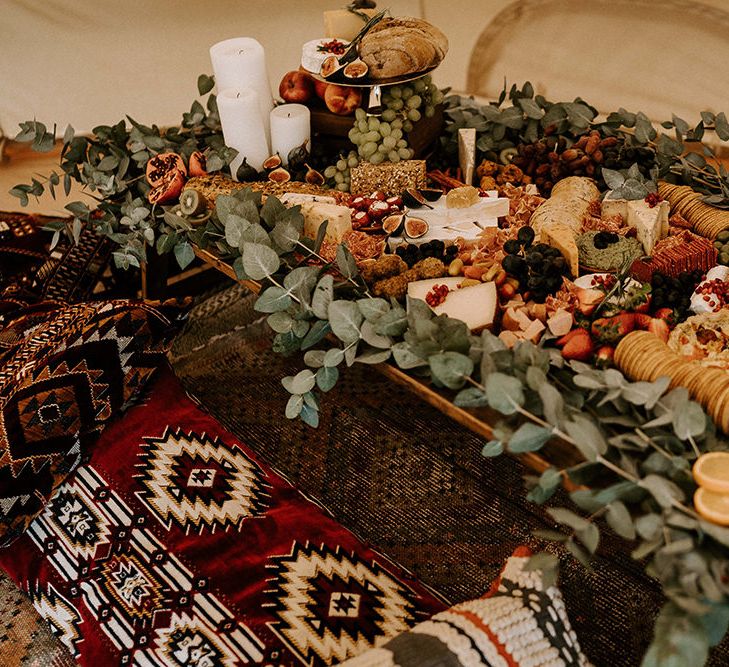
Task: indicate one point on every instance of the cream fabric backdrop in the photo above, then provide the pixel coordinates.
(88, 62)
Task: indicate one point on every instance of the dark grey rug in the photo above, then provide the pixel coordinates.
(405, 477)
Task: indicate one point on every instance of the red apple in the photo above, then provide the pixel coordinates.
(296, 87)
(320, 87)
(342, 100)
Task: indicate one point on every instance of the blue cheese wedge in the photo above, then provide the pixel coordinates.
(339, 217)
(650, 224)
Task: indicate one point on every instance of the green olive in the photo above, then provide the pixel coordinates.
(724, 257)
(723, 236)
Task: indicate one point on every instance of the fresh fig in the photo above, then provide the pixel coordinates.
(357, 69)
(273, 162)
(413, 199)
(330, 67)
(431, 194)
(279, 175)
(246, 173)
(313, 177)
(297, 157)
(416, 227)
(394, 224)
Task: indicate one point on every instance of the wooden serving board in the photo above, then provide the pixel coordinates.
(559, 453)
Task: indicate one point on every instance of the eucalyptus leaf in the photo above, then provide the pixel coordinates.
(294, 405)
(300, 383)
(346, 263)
(529, 438)
(450, 369)
(345, 319)
(273, 299)
(504, 393)
(322, 297)
(259, 261)
(471, 397)
(619, 519)
(405, 358)
(493, 448)
(326, 377)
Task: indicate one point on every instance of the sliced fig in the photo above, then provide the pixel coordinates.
(431, 194)
(279, 175)
(273, 162)
(413, 199)
(416, 227)
(330, 66)
(313, 177)
(356, 69)
(193, 202)
(394, 225)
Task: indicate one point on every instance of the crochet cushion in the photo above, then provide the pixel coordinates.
(519, 622)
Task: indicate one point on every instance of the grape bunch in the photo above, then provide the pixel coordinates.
(674, 293)
(555, 157)
(338, 175)
(538, 268)
(412, 253)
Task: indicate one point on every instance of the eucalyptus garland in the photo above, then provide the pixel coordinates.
(637, 440)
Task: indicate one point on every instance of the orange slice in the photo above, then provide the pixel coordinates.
(712, 506)
(711, 471)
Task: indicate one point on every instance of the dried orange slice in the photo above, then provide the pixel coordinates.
(711, 471)
(712, 506)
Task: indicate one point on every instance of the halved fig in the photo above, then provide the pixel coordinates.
(279, 175)
(273, 162)
(431, 194)
(413, 199)
(394, 225)
(160, 165)
(416, 227)
(330, 66)
(356, 69)
(313, 177)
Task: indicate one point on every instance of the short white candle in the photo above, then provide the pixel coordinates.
(290, 128)
(243, 127)
(241, 63)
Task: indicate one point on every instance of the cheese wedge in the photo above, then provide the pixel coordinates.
(651, 224)
(560, 236)
(474, 305)
(467, 153)
(614, 207)
(339, 217)
(343, 24)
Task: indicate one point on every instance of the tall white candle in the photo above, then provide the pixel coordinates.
(290, 128)
(243, 127)
(241, 63)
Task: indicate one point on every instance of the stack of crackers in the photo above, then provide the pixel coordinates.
(705, 220)
(643, 356)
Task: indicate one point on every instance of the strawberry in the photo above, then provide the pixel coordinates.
(644, 305)
(612, 329)
(660, 328)
(568, 337)
(604, 356)
(579, 346)
(642, 321)
(666, 314)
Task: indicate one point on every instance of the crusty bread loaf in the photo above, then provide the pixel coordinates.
(401, 46)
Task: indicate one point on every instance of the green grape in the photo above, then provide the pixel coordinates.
(382, 149)
(385, 129)
(396, 124)
(407, 93)
(388, 115)
(414, 115)
(330, 171)
(402, 143)
(429, 111)
(368, 149)
(374, 135)
(354, 135)
(437, 96)
(419, 85)
(342, 187)
(352, 161)
(404, 153)
(407, 126)
(414, 102)
(373, 122)
(339, 177)
(341, 165)
(360, 114)
(395, 91)
(389, 142)
(397, 105)
(393, 156)
(377, 158)
(363, 126)
(397, 134)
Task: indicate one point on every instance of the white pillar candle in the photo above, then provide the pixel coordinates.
(243, 127)
(241, 63)
(290, 128)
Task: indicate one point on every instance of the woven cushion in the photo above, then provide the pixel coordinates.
(518, 623)
(65, 371)
(176, 545)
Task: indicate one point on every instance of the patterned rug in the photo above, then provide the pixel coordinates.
(406, 478)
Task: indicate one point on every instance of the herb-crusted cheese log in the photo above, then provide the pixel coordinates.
(569, 201)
